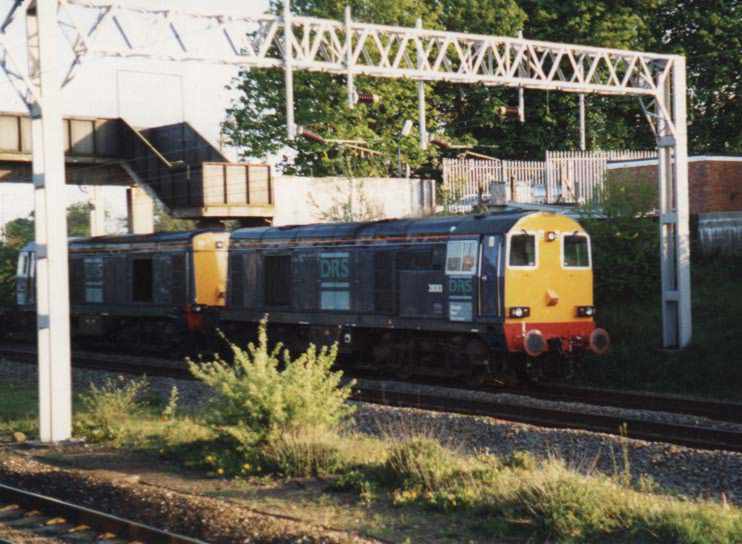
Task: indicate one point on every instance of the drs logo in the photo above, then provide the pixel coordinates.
(334, 266)
(461, 287)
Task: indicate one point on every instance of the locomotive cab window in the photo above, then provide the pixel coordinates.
(522, 251)
(461, 257)
(575, 251)
(142, 280)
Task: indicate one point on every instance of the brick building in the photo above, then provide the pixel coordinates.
(715, 195)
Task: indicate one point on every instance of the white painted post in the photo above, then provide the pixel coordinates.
(349, 56)
(288, 69)
(422, 122)
(140, 211)
(521, 93)
(682, 251)
(98, 211)
(52, 284)
(583, 145)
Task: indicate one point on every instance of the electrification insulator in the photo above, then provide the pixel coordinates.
(309, 135)
(440, 143)
(366, 98)
(508, 111)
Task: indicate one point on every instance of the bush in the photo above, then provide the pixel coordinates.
(107, 409)
(268, 408)
(625, 242)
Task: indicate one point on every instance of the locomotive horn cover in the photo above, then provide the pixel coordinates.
(534, 343)
(600, 341)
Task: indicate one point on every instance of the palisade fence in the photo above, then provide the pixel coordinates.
(564, 177)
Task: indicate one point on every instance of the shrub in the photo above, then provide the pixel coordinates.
(625, 241)
(268, 408)
(420, 462)
(106, 409)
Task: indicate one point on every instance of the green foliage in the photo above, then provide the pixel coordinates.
(262, 402)
(710, 33)
(108, 408)
(78, 219)
(625, 242)
(314, 453)
(257, 121)
(707, 368)
(172, 404)
(168, 223)
(420, 462)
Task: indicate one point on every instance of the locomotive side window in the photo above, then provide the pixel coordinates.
(93, 279)
(575, 251)
(142, 280)
(461, 257)
(522, 250)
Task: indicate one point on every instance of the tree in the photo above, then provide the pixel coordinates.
(257, 121)
(167, 223)
(78, 219)
(710, 33)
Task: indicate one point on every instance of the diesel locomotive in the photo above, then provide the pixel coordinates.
(504, 294)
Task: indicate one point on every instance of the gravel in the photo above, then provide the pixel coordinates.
(205, 518)
(522, 400)
(677, 470)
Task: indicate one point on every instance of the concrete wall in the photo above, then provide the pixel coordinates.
(301, 200)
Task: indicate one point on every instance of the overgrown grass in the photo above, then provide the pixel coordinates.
(18, 410)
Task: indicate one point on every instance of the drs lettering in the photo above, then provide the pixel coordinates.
(460, 287)
(334, 266)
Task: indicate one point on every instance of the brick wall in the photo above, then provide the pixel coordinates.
(713, 185)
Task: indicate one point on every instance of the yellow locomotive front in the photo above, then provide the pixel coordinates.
(549, 288)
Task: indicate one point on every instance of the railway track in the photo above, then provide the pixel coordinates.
(47, 517)
(686, 435)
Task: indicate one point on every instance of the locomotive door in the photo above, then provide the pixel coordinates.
(490, 291)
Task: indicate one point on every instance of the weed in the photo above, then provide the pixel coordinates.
(420, 462)
(108, 408)
(172, 404)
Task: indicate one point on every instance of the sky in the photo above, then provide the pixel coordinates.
(146, 93)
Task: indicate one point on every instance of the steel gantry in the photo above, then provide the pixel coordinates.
(351, 48)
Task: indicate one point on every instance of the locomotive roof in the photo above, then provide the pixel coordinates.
(491, 223)
(109, 239)
(157, 237)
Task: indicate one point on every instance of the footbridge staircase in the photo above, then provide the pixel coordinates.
(188, 176)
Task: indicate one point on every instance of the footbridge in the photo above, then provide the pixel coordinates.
(173, 163)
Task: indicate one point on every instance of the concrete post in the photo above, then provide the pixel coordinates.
(288, 70)
(421, 118)
(52, 283)
(140, 211)
(98, 211)
(349, 56)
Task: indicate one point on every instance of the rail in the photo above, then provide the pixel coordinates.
(686, 435)
(59, 518)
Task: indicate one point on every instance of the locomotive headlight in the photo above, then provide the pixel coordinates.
(551, 236)
(585, 311)
(518, 312)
